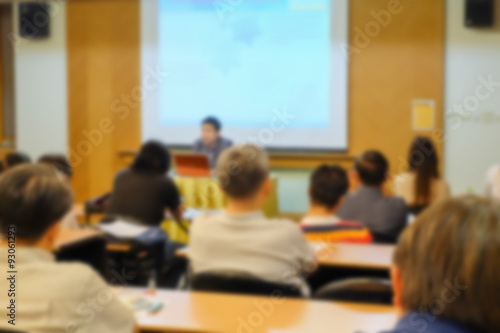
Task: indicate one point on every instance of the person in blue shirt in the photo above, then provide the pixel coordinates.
(445, 274)
(211, 142)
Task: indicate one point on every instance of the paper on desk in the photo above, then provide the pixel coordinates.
(323, 248)
(123, 229)
(317, 246)
(191, 213)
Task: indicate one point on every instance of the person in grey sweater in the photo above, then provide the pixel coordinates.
(386, 217)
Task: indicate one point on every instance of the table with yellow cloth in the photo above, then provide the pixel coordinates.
(205, 193)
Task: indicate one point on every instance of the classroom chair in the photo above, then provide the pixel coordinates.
(90, 251)
(384, 239)
(240, 283)
(357, 290)
(97, 206)
(139, 258)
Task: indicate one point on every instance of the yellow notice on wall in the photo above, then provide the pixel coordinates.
(424, 115)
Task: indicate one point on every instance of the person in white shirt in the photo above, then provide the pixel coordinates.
(422, 185)
(493, 183)
(242, 239)
(48, 296)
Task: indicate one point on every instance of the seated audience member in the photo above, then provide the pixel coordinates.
(211, 142)
(328, 186)
(143, 191)
(421, 186)
(445, 274)
(385, 216)
(241, 238)
(493, 183)
(61, 163)
(51, 297)
(16, 158)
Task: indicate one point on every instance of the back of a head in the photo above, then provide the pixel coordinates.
(372, 168)
(32, 198)
(423, 160)
(241, 170)
(59, 162)
(453, 249)
(16, 158)
(329, 183)
(153, 157)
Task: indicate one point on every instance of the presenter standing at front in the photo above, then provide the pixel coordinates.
(211, 142)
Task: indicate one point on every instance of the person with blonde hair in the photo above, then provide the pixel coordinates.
(445, 274)
(242, 239)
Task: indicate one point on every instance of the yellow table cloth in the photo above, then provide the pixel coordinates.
(205, 193)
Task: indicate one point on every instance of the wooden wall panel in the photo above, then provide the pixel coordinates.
(405, 61)
(103, 65)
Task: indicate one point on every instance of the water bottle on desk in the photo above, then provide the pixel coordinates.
(152, 283)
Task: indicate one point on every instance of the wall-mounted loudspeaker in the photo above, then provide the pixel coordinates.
(479, 13)
(34, 20)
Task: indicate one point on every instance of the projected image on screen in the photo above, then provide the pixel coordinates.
(240, 60)
(273, 71)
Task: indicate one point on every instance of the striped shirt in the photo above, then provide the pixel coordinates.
(332, 229)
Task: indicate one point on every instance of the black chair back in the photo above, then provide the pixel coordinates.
(96, 205)
(241, 283)
(138, 257)
(383, 239)
(90, 251)
(416, 210)
(357, 290)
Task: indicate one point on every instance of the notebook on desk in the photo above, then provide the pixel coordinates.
(192, 165)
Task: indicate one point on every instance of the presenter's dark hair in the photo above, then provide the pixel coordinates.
(212, 121)
(153, 157)
(59, 162)
(32, 198)
(16, 158)
(329, 183)
(372, 168)
(423, 161)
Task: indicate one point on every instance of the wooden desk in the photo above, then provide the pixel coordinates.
(204, 312)
(365, 256)
(79, 211)
(183, 252)
(82, 245)
(69, 237)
